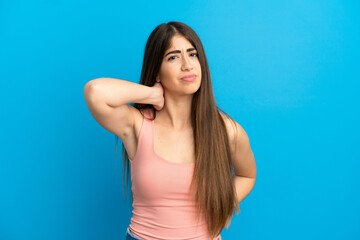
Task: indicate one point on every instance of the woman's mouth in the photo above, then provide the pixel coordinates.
(189, 78)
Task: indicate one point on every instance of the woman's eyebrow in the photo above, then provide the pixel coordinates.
(178, 51)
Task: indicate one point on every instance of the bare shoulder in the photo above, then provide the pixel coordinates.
(234, 129)
(242, 156)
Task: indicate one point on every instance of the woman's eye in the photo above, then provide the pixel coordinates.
(171, 58)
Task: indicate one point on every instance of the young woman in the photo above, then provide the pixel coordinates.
(191, 165)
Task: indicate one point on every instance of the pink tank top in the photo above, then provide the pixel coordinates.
(163, 208)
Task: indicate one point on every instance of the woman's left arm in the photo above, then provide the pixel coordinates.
(243, 161)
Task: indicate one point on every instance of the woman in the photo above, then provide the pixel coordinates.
(182, 150)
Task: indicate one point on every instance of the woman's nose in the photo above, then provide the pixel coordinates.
(186, 63)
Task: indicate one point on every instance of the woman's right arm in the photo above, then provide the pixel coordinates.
(107, 100)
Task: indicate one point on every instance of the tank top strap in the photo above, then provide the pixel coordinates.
(147, 113)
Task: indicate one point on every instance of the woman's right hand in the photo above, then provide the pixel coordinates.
(159, 100)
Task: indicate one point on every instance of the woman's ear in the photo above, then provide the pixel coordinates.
(157, 79)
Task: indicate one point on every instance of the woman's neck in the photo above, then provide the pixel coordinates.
(176, 112)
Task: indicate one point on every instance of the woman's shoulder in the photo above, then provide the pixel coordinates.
(233, 128)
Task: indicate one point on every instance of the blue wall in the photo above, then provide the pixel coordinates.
(286, 71)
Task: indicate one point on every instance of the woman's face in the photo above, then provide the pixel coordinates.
(175, 65)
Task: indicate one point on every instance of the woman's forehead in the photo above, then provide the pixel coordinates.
(179, 41)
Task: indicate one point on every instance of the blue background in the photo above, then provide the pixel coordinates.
(286, 71)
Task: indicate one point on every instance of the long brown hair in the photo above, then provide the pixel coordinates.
(212, 181)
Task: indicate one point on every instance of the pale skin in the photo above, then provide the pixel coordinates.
(173, 138)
